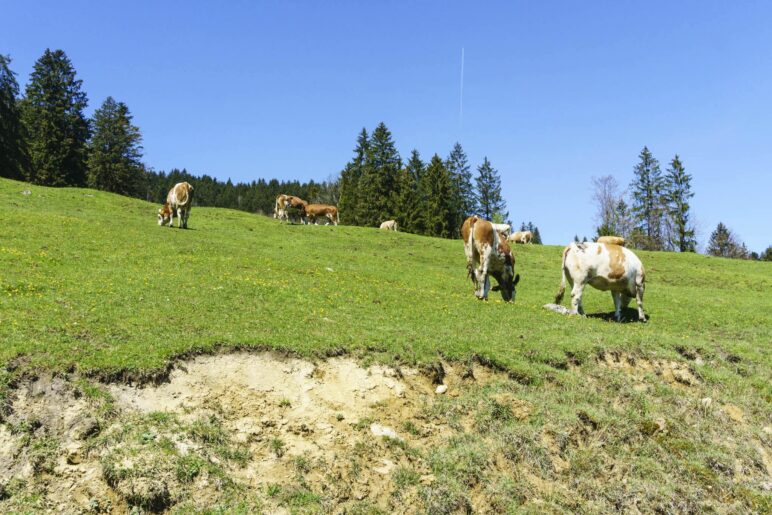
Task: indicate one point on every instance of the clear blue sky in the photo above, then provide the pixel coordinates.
(554, 92)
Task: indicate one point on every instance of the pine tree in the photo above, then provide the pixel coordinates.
(463, 194)
(438, 216)
(348, 206)
(536, 239)
(723, 243)
(114, 151)
(56, 128)
(648, 199)
(767, 254)
(489, 199)
(12, 144)
(411, 203)
(378, 184)
(678, 192)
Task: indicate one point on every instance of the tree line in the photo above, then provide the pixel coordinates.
(657, 213)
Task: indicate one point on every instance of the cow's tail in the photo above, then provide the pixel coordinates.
(563, 271)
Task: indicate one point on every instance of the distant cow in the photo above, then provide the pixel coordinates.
(295, 207)
(314, 211)
(279, 207)
(389, 225)
(611, 240)
(504, 229)
(178, 201)
(488, 253)
(604, 267)
(521, 237)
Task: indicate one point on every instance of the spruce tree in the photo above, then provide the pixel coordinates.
(463, 194)
(378, 184)
(678, 192)
(411, 202)
(723, 243)
(12, 144)
(348, 205)
(56, 128)
(438, 216)
(114, 151)
(489, 199)
(648, 199)
(767, 254)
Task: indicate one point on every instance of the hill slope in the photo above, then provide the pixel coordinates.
(89, 282)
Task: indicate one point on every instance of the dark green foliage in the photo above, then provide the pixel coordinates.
(378, 183)
(678, 192)
(349, 181)
(767, 254)
(723, 243)
(438, 217)
(12, 145)
(114, 162)
(489, 199)
(648, 188)
(411, 199)
(56, 128)
(463, 198)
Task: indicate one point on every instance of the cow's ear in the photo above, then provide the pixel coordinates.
(495, 287)
(517, 279)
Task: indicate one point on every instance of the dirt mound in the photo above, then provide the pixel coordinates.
(671, 372)
(224, 431)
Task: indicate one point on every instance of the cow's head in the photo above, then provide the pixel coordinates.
(507, 280)
(164, 215)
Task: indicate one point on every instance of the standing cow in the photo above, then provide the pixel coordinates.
(521, 237)
(389, 225)
(487, 253)
(604, 267)
(314, 211)
(178, 202)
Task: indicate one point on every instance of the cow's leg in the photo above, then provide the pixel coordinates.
(171, 216)
(617, 305)
(484, 281)
(576, 298)
(639, 300)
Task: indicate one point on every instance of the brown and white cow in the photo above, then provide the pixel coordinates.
(503, 229)
(521, 237)
(389, 225)
(612, 240)
(179, 200)
(314, 211)
(604, 267)
(293, 206)
(279, 206)
(487, 253)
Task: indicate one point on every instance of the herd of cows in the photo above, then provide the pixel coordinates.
(606, 264)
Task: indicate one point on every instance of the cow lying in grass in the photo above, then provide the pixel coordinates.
(487, 253)
(604, 267)
(179, 200)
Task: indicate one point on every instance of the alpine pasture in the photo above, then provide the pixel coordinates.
(672, 415)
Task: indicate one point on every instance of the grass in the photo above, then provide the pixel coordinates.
(89, 282)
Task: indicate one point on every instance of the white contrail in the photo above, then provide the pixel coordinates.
(461, 103)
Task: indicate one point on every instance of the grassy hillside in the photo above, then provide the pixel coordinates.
(89, 282)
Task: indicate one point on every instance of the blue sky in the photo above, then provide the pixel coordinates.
(554, 92)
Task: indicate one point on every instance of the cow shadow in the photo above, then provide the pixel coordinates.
(629, 316)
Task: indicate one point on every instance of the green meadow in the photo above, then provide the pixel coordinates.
(91, 285)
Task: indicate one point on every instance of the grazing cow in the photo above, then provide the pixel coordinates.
(604, 267)
(611, 240)
(503, 229)
(487, 253)
(314, 211)
(389, 225)
(295, 207)
(178, 202)
(521, 237)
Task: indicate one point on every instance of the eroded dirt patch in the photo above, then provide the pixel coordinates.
(671, 372)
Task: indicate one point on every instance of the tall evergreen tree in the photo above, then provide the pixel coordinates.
(348, 205)
(438, 216)
(115, 151)
(678, 192)
(12, 144)
(648, 199)
(378, 183)
(411, 202)
(463, 194)
(489, 199)
(56, 128)
(723, 243)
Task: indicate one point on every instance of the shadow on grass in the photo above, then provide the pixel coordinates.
(629, 315)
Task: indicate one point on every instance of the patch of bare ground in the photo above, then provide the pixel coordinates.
(670, 371)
